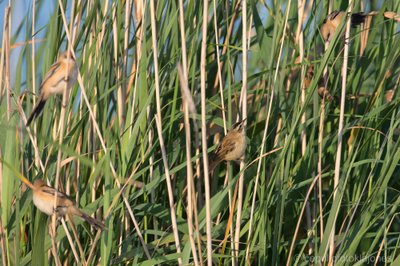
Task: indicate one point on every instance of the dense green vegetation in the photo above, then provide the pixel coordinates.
(315, 166)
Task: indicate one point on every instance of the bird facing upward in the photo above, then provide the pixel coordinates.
(44, 197)
(61, 75)
(232, 147)
(332, 22)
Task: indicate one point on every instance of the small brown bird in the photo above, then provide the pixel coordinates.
(332, 22)
(56, 81)
(232, 147)
(44, 197)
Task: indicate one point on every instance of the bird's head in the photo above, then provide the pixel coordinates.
(66, 56)
(39, 183)
(239, 126)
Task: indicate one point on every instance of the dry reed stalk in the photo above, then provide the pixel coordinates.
(243, 100)
(189, 176)
(169, 188)
(159, 129)
(340, 133)
(228, 37)
(34, 72)
(219, 71)
(320, 139)
(192, 111)
(61, 130)
(71, 243)
(204, 129)
(101, 139)
(264, 138)
(139, 14)
(303, 86)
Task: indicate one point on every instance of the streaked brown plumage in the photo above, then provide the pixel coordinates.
(332, 22)
(232, 147)
(44, 197)
(55, 82)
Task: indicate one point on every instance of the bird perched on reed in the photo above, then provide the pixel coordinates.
(232, 147)
(332, 22)
(44, 198)
(61, 75)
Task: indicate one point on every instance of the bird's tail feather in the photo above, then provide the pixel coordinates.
(94, 222)
(213, 164)
(37, 110)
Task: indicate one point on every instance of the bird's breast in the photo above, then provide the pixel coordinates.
(43, 204)
(60, 82)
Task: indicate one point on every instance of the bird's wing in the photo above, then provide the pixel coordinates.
(217, 150)
(52, 192)
(334, 14)
(228, 146)
(54, 67)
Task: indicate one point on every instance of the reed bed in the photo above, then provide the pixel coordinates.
(160, 83)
